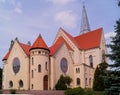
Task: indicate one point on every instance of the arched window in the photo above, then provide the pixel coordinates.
(85, 81)
(20, 83)
(90, 82)
(11, 84)
(103, 56)
(32, 60)
(46, 65)
(32, 74)
(32, 86)
(78, 70)
(78, 81)
(39, 68)
(91, 60)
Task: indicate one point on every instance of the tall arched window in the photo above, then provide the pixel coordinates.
(78, 81)
(85, 81)
(90, 82)
(39, 68)
(32, 60)
(91, 60)
(32, 74)
(46, 65)
(103, 56)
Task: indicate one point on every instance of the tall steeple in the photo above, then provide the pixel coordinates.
(84, 21)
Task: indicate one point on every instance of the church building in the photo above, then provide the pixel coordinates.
(38, 67)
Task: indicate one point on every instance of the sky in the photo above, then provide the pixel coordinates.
(26, 19)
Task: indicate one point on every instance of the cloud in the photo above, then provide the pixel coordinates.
(18, 10)
(67, 18)
(2, 1)
(109, 34)
(17, 7)
(60, 2)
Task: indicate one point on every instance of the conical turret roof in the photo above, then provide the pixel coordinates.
(39, 44)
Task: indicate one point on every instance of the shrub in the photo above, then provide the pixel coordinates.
(1, 91)
(89, 91)
(75, 91)
(13, 91)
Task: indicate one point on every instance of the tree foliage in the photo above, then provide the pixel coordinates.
(112, 80)
(115, 48)
(98, 84)
(63, 83)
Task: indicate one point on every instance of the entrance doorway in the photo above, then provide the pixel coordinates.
(45, 82)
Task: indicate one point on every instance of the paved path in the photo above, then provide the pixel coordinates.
(38, 92)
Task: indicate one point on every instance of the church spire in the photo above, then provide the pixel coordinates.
(84, 21)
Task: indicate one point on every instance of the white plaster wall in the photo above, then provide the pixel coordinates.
(63, 52)
(23, 73)
(41, 59)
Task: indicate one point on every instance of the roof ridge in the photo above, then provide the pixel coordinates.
(71, 38)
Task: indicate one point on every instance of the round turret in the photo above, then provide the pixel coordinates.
(39, 65)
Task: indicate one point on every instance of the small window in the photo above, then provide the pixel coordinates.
(32, 73)
(46, 66)
(32, 86)
(39, 52)
(91, 60)
(103, 56)
(77, 70)
(32, 61)
(11, 84)
(20, 83)
(39, 68)
(86, 81)
(78, 81)
(46, 53)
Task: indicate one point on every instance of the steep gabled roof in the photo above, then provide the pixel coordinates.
(57, 44)
(6, 56)
(90, 39)
(70, 37)
(23, 46)
(39, 43)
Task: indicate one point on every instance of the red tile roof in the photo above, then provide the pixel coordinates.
(85, 41)
(57, 44)
(6, 56)
(70, 37)
(39, 43)
(26, 48)
(23, 46)
(90, 39)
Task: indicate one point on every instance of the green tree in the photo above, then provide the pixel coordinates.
(98, 84)
(68, 80)
(63, 83)
(112, 80)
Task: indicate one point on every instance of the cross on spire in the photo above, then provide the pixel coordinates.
(84, 21)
